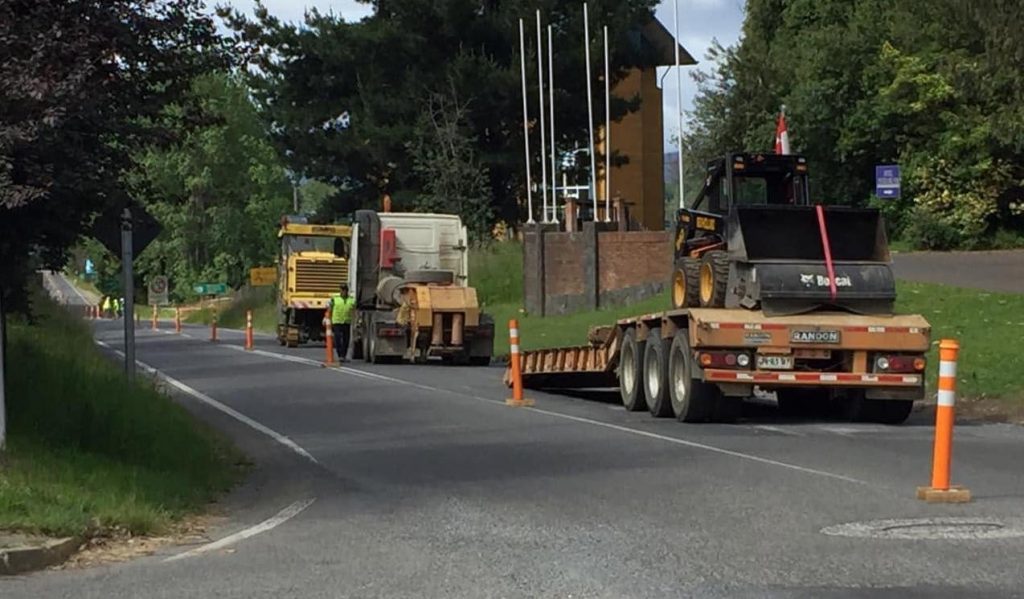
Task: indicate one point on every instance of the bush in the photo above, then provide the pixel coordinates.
(925, 231)
(496, 271)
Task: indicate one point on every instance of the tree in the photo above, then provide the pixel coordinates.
(219, 191)
(381, 70)
(79, 86)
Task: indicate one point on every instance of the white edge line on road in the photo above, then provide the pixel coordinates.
(270, 523)
(213, 403)
(607, 425)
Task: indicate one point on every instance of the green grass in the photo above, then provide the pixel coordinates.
(496, 270)
(989, 327)
(232, 315)
(90, 453)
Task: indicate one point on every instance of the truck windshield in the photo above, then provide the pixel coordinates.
(313, 243)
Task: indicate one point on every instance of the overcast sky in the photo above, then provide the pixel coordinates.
(700, 21)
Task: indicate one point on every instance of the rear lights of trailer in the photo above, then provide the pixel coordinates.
(899, 364)
(724, 359)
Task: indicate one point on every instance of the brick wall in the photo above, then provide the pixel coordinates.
(571, 272)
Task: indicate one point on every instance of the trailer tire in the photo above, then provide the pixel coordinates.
(631, 382)
(714, 278)
(883, 411)
(685, 284)
(655, 375)
(693, 400)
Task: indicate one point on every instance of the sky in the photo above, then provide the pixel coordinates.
(700, 21)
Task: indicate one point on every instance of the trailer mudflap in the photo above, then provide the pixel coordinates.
(820, 330)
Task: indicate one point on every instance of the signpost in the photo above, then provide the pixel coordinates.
(211, 288)
(262, 276)
(127, 256)
(887, 181)
(158, 290)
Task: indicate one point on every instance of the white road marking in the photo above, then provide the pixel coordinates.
(270, 523)
(213, 403)
(579, 419)
(779, 430)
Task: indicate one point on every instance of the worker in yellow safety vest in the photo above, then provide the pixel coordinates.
(108, 307)
(342, 306)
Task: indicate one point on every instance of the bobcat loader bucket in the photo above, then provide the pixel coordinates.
(779, 263)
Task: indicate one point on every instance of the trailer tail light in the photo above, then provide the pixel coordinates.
(899, 364)
(724, 359)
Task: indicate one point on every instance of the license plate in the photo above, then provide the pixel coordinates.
(774, 362)
(814, 336)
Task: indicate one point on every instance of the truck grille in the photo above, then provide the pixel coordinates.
(319, 276)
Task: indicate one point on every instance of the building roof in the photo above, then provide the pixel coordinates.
(662, 40)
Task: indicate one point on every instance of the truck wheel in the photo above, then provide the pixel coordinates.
(656, 375)
(728, 409)
(714, 278)
(631, 385)
(685, 284)
(692, 400)
(883, 411)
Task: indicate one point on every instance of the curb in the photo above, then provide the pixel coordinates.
(18, 560)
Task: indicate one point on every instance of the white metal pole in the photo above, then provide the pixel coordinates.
(607, 133)
(526, 125)
(679, 105)
(590, 110)
(543, 127)
(551, 119)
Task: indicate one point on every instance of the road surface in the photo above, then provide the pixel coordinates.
(989, 271)
(417, 481)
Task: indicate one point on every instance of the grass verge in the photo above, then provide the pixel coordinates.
(88, 452)
(232, 315)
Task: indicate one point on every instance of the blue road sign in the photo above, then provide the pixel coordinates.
(887, 181)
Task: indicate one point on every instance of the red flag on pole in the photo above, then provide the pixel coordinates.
(781, 134)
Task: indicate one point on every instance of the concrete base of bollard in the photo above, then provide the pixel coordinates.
(519, 403)
(954, 494)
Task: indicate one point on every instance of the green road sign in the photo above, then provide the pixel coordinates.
(211, 289)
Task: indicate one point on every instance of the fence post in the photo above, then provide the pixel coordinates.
(213, 328)
(155, 314)
(515, 366)
(940, 490)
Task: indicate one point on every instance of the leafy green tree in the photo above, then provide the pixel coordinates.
(219, 192)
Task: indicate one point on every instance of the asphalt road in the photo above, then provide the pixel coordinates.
(426, 485)
(989, 271)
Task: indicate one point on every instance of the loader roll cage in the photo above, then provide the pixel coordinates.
(740, 179)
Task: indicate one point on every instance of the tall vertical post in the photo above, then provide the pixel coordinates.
(679, 104)
(543, 126)
(3, 383)
(607, 133)
(551, 120)
(526, 124)
(940, 490)
(129, 293)
(590, 110)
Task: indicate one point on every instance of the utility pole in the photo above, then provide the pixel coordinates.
(129, 294)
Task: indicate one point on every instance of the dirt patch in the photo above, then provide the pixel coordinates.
(985, 409)
(120, 546)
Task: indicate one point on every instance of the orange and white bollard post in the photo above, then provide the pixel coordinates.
(940, 490)
(248, 330)
(177, 320)
(515, 367)
(329, 336)
(155, 314)
(213, 329)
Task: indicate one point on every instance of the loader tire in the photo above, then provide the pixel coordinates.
(685, 284)
(631, 380)
(714, 279)
(656, 375)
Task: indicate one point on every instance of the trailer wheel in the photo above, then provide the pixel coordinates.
(631, 386)
(371, 342)
(692, 400)
(714, 278)
(656, 375)
(686, 284)
(884, 411)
